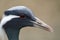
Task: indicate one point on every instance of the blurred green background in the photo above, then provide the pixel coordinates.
(46, 10)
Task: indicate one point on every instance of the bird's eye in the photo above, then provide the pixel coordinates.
(22, 16)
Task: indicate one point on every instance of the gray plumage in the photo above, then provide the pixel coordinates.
(18, 17)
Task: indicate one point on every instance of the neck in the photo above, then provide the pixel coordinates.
(13, 34)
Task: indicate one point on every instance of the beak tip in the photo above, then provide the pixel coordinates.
(50, 29)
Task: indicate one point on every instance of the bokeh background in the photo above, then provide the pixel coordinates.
(46, 10)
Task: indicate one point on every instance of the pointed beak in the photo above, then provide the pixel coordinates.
(41, 24)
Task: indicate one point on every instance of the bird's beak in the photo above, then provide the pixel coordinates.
(42, 25)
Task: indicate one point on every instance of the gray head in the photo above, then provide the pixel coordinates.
(25, 16)
(18, 17)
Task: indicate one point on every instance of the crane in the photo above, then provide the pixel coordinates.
(18, 17)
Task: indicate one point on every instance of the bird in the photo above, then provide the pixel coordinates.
(18, 17)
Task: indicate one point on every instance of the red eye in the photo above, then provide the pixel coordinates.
(22, 16)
